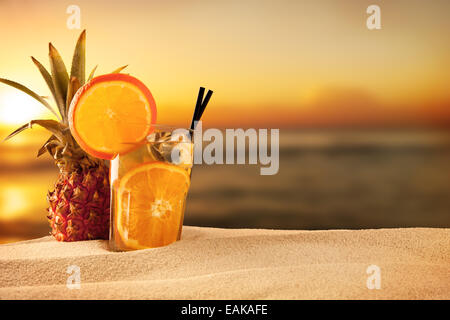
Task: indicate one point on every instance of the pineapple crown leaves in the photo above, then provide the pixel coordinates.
(63, 88)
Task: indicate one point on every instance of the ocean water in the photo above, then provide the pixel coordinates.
(332, 179)
(327, 179)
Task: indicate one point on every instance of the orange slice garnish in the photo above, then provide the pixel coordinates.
(110, 114)
(150, 203)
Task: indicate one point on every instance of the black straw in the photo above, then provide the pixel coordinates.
(205, 103)
(200, 106)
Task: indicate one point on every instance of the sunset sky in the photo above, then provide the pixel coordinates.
(270, 63)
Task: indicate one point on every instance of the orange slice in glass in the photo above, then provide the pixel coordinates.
(110, 114)
(150, 203)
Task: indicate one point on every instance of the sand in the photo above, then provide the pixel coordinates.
(210, 263)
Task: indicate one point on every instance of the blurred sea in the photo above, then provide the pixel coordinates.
(327, 179)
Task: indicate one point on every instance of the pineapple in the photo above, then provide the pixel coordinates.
(79, 204)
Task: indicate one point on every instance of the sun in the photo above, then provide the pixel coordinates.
(18, 108)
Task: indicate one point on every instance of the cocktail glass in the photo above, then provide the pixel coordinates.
(149, 187)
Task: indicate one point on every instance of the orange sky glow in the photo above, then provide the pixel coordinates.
(270, 63)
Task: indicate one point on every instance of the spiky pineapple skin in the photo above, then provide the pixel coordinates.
(79, 205)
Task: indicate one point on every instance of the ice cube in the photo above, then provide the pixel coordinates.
(159, 136)
(155, 153)
(173, 147)
(165, 149)
(151, 137)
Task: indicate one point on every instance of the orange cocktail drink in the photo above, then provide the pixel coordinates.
(149, 188)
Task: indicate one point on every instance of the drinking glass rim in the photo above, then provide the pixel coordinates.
(171, 127)
(168, 128)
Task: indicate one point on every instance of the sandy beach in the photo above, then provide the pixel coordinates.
(210, 263)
